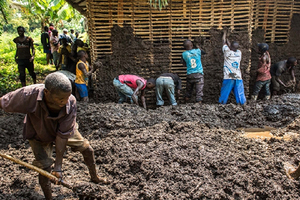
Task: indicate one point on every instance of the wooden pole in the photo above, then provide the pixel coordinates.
(200, 16)
(120, 12)
(40, 171)
(266, 15)
(232, 15)
(221, 17)
(273, 33)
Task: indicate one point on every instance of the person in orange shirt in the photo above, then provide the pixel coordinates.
(83, 71)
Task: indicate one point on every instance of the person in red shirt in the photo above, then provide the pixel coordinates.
(24, 58)
(263, 79)
(128, 86)
(50, 118)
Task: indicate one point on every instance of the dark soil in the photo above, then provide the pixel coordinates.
(184, 152)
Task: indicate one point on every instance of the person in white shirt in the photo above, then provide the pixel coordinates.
(232, 72)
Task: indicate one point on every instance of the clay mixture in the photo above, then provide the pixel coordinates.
(184, 152)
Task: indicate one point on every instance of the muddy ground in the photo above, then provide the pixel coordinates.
(184, 152)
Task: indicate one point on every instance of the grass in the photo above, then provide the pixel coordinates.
(9, 76)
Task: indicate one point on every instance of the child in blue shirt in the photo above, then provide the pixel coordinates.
(191, 59)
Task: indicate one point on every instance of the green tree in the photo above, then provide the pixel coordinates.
(4, 10)
(47, 11)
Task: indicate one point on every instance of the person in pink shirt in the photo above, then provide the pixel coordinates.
(128, 86)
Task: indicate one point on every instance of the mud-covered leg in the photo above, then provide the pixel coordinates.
(89, 160)
(46, 185)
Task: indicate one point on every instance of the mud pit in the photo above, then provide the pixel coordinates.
(185, 152)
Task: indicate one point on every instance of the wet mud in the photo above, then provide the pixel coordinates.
(190, 151)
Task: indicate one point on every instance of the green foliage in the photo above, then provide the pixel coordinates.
(49, 10)
(4, 12)
(33, 14)
(158, 3)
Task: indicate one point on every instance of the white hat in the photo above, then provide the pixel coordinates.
(65, 30)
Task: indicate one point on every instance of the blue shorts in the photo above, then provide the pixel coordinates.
(82, 89)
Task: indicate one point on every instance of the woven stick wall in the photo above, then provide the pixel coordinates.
(275, 18)
(164, 31)
(182, 19)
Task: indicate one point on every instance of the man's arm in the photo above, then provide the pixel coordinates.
(292, 72)
(17, 54)
(177, 94)
(178, 87)
(262, 70)
(280, 81)
(60, 148)
(140, 85)
(143, 99)
(268, 58)
(224, 39)
(183, 61)
(33, 51)
(82, 68)
(264, 59)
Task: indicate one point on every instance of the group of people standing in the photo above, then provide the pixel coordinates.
(61, 49)
(68, 52)
(128, 86)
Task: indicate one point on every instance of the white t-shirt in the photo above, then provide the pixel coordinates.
(232, 61)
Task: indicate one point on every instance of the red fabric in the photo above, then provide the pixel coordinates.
(263, 71)
(130, 80)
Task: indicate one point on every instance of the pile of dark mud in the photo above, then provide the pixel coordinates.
(190, 151)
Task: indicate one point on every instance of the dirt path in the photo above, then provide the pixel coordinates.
(184, 152)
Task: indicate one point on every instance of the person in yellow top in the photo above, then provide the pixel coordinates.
(83, 71)
(77, 46)
(65, 54)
